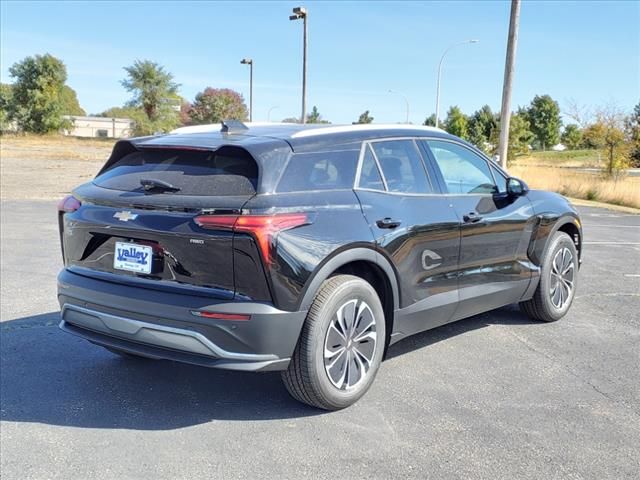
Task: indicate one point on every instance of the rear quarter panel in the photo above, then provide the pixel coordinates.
(337, 225)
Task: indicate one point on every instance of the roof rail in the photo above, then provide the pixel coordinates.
(233, 126)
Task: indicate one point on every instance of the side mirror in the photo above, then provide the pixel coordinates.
(516, 187)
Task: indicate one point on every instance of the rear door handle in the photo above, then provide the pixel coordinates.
(471, 217)
(388, 223)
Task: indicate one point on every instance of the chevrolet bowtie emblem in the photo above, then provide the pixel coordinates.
(125, 216)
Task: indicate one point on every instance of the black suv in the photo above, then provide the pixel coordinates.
(306, 249)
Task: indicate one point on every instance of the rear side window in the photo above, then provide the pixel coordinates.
(369, 173)
(319, 171)
(226, 171)
(402, 166)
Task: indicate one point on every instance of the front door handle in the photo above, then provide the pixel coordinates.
(471, 217)
(388, 223)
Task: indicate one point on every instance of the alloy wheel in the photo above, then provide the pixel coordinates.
(350, 344)
(562, 278)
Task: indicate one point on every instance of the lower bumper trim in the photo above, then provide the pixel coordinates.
(159, 353)
(153, 334)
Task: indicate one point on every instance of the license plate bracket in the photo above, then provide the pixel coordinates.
(133, 257)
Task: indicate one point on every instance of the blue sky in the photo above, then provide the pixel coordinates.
(358, 51)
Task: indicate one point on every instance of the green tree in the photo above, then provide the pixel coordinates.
(481, 126)
(364, 118)
(632, 129)
(572, 136)
(213, 105)
(151, 85)
(430, 121)
(315, 116)
(456, 123)
(520, 136)
(36, 103)
(477, 137)
(155, 97)
(5, 105)
(544, 118)
(70, 104)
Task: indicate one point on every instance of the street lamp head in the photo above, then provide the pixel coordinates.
(298, 12)
(246, 61)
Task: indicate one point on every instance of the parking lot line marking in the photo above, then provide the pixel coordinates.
(611, 243)
(632, 275)
(614, 226)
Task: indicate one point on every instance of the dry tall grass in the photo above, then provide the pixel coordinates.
(621, 191)
(31, 147)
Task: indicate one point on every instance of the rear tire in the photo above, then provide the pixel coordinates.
(341, 345)
(558, 281)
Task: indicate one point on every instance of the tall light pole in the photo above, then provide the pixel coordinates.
(269, 112)
(301, 13)
(248, 61)
(406, 101)
(440, 74)
(509, 65)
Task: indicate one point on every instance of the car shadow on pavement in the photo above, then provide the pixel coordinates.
(54, 378)
(509, 315)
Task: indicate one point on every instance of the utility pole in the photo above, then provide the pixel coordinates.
(505, 111)
(301, 13)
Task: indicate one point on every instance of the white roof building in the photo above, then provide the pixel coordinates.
(103, 127)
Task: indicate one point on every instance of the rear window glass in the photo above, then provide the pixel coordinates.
(319, 171)
(227, 171)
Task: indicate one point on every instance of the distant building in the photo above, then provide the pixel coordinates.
(102, 127)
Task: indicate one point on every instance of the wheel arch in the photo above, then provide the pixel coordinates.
(340, 260)
(570, 226)
(367, 264)
(548, 226)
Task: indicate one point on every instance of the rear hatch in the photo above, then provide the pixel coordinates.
(136, 220)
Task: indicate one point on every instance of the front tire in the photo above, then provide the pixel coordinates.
(341, 345)
(558, 281)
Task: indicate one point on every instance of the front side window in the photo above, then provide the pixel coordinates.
(402, 166)
(501, 180)
(463, 170)
(319, 171)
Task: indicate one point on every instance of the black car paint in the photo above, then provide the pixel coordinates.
(482, 264)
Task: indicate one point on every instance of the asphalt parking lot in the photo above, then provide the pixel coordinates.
(494, 396)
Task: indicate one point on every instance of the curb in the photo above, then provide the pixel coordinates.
(608, 206)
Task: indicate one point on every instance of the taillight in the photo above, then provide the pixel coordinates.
(262, 227)
(69, 204)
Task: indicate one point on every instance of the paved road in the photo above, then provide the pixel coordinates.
(494, 396)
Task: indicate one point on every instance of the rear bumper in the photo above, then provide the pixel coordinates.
(161, 325)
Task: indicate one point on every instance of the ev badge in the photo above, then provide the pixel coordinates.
(430, 260)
